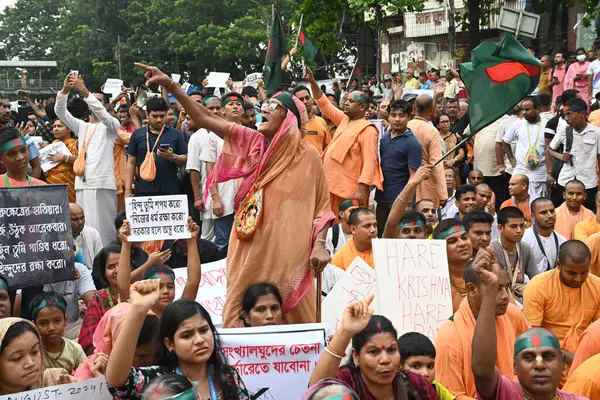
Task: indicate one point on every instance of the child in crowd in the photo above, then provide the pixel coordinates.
(49, 313)
(164, 273)
(14, 154)
(417, 354)
(261, 305)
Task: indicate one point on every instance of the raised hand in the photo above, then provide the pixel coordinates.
(124, 232)
(193, 228)
(143, 294)
(357, 316)
(486, 266)
(99, 363)
(159, 257)
(154, 76)
(422, 173)
(309, 75)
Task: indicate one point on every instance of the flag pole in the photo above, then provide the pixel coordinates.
(299, 30)
(315, 264)
(453, 149)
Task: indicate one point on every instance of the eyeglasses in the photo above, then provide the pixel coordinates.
(271, 106)
(444, 122)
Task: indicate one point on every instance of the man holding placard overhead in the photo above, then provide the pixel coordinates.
(275, 163)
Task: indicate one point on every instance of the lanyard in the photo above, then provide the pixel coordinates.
(513, 273)
(157, 139)
(211, 384)
(7, 181)
(539, 242)
(536, 136)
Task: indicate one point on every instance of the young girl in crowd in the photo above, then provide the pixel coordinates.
(159, 271)
(14, 153)
(146, 350)
(417, 354)
(261, 305)
(5, 306)
(63, 172)
(373, 371)
(170, 386)
(49, 313)
(21, 366)
(330, 389)
(191, 348)
(104, 273)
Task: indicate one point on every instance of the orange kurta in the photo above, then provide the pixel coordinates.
(566, 220)
(453, 347)
(63, 172)
(433, 189)
(317, 133)
(119, 154)
(586, 380)
(524, 207)
(351, 158)
(586, 228)
(565, 311)
(346, 255)
(589, 345)
(593, 243)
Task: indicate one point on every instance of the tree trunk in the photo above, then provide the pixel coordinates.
(451, 29)
(551, 33)
(474, 38)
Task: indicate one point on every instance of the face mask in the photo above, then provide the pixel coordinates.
(581, 57)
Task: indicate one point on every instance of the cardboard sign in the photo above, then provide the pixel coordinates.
(113, 86)
(275, 362)
(157, 217)
(217, 79)
(212, 291)
(51, 149)
(252, 79)
(36, 243)
(413, 278)
(91, 389)
(358, 283)
(419, 92)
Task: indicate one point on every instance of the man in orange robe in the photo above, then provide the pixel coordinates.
(589, 226)
(565, 300)
(363, 226)
(453, 342)
(572, 211)
(351, 160)
(434, 188)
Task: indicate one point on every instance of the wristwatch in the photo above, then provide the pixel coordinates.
(173, 158)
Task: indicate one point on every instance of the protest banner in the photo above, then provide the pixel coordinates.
(413, 278)
(36, 243)
(37, 140)
(275, 362)
(157, 217)
(212, 290)
(112, 86)
(357, 283)
(51, 149)
(252, 79)
(418, 92)
(91, 389)
(217, 79)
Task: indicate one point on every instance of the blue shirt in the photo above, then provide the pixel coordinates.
(426, 85)
(397, 155)
(165, 182)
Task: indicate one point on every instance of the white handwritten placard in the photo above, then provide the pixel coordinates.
(36, 243)
(212, 291)
(413, 278)
(358, 283)
(52, 149)
(275, 362)
(252, 79)
(91, 389)
(157, 217)
(112, 86)
(217, 79)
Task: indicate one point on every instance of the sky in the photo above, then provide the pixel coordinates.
(4, 3)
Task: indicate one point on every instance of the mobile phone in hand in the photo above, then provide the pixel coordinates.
(165, 147)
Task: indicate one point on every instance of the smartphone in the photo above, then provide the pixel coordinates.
(74, 73)
(165, 147)
(22, 93)
(22, 114)
(131, 98)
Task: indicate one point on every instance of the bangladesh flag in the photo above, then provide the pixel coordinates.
(498, 77)
(276, 49)
(310, 50)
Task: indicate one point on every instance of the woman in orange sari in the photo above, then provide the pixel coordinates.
(63, 172)
(283, 201)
